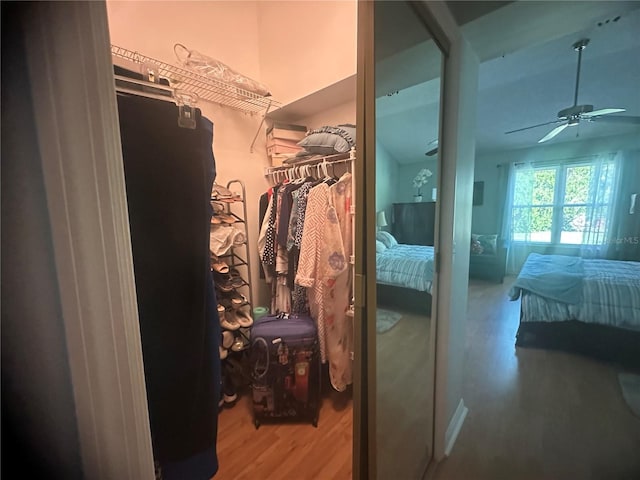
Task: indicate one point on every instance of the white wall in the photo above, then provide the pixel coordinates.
(404, 190)
(386, 181)
(485, 217)
(306, 45)
(227, 31)
(343, 113)
(224, 30)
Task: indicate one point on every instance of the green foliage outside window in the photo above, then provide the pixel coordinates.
(538, 200)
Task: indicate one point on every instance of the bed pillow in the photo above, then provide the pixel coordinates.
(324, 143)
(489, 243)
(387, 239)
(476, 247)
(380, 247)
(329, 140)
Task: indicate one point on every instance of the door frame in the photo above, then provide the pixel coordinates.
(71, 75)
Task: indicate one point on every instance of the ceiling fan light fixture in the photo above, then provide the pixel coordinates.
(571, 116)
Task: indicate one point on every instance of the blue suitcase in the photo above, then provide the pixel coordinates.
(286, 368)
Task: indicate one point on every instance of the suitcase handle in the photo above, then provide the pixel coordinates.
(256, 374)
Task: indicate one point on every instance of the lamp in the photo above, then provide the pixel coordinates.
(381, 220)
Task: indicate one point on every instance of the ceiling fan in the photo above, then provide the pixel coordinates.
(571, 116)
(434, 150)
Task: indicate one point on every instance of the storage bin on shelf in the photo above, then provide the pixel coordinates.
(282, 141)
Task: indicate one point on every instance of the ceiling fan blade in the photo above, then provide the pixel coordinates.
(553, 133)
(539, 125)
(630, 120)
(604, 111)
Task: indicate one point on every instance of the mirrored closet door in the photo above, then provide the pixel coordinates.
(403, 117)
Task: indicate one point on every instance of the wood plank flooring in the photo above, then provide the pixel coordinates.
(286, 451)
(300, 451)
(536, 414)
(533, 414)
(404, 415)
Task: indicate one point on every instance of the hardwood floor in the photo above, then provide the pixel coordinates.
(404, 416)
(533, 414)
(286, 451)
(536, 414)
(300, 451)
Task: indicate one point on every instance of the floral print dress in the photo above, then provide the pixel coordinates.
(324, 270)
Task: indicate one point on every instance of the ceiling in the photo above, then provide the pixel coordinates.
(518, 87)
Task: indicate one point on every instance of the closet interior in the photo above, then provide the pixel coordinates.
(249, 176)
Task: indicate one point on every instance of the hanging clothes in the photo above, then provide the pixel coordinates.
(169, 172)
(324, 271)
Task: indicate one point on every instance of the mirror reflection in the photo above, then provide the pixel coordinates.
(407, 81)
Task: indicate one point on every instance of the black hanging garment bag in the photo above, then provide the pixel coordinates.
(169, 173)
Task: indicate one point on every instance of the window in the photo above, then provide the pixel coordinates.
(565, 204)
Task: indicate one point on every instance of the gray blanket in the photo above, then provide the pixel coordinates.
(557, 277)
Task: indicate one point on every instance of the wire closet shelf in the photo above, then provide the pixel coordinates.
(205, 88)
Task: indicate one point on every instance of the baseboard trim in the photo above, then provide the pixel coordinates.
(455, 425)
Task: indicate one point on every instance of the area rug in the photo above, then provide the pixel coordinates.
(630, 385)
(386, 320)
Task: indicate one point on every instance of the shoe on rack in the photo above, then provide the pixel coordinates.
(227, 339)
(243, 316)
(223, 352)
(217, 207)
(222, 281)
(225, 302)
(218, 265)
(235, 279)
(227, 320)
(239, 343)
(235, 298)
(221, 192)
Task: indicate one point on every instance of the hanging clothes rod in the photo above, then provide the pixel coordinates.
(184, 100)
(331, 159)
(301, 169)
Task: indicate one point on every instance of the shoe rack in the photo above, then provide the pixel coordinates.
(238, 259)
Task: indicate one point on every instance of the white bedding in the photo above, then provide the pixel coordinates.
(406, 266)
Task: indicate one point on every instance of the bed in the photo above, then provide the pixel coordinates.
(404, 274)
(587, 306)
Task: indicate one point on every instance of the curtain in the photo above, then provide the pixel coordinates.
(624, 237)
(517, 251)
(579, 218)
(602, 219)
